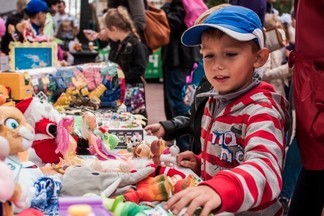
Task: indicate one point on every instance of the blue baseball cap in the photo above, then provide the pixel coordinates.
(36, 6)
(237, 22)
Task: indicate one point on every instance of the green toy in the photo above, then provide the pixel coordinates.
(120, 208)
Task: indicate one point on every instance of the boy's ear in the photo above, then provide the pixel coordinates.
(261, 58)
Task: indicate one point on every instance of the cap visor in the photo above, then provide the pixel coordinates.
(192, 36)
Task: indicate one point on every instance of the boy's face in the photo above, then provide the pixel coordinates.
(228, 63)
(41, 16)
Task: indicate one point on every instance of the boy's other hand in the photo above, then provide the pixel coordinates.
(155, 129)
(193, 198)
(187, 159)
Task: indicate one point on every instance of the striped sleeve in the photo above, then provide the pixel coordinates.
(257, 181)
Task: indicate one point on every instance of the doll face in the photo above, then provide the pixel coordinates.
(91, 120)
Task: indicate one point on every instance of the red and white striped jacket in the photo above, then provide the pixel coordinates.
(243, 149)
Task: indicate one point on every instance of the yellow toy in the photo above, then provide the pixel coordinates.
(97, 92)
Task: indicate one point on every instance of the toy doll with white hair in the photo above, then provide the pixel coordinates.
(96, 146)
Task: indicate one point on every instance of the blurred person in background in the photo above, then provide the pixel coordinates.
(49, 23)
(308, 77)
(136, 9)
(258, 6)
(13, 20)
(177, 63)
(36, 11)
(63, 15)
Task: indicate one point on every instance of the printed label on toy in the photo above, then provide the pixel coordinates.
(14, 166)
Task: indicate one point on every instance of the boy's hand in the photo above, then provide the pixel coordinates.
(187, 159)
(155, 129)
(193, 198)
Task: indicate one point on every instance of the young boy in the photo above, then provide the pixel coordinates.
(243, 125)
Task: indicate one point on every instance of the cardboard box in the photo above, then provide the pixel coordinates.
(19, 84)
(125, 135)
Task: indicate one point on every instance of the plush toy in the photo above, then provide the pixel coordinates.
(134, 141)
(159, 188)
(46, 195)
(108, 165)
(44, 118)
(142, 150)
(7, 185)
(15, 136)
(2, 99)
(151, 189)
(169, 159)
(181, 184)
(81, 180)
(157, 149)
(120, 208)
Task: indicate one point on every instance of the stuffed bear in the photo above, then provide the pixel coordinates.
(44, 118)
(15, 136)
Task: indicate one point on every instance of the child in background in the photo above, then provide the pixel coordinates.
(127, 50)
(244, 121)
(65, 33)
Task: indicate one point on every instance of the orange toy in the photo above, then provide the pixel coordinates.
(182, 184)
(157, 148)
(151, 189)
(19, 83)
